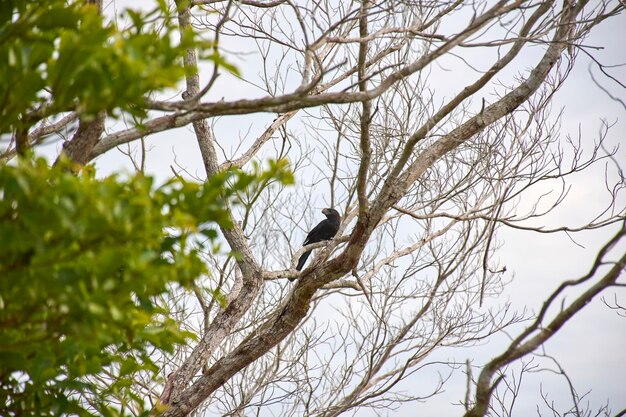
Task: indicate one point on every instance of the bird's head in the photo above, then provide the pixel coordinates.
(331, 213)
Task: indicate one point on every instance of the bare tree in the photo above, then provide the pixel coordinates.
(424, 177)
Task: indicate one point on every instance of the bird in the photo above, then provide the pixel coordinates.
(325, 230)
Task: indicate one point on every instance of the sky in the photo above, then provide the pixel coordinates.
(591, 348)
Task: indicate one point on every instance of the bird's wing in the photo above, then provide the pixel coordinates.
(314, 234)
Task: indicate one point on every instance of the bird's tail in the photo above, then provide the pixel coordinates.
(302, 260)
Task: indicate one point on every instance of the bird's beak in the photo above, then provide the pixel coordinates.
(325, 211)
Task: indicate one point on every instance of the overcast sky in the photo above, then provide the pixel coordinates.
(592, 347)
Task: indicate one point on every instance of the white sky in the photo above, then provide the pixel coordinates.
(592, 347)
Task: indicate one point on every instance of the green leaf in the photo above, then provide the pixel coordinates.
(89, 261)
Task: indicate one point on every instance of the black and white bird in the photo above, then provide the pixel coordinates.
(325, 230)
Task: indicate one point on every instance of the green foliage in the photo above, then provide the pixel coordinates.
(82, 262)
(63, 56)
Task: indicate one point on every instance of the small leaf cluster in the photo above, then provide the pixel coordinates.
(82, 262)
(63, 56)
